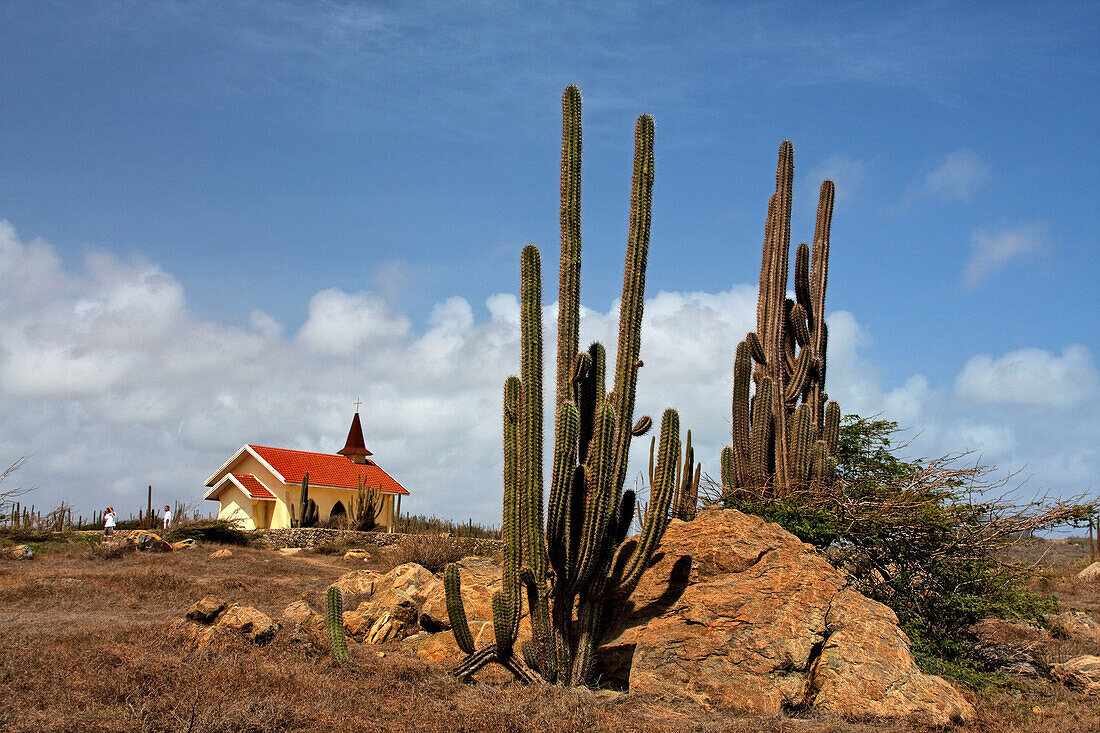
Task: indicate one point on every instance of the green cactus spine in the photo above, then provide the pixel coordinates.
(576, 562)
(775, 437)
(334, 620)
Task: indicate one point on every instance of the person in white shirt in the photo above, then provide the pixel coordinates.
(167, 517)
(109, 523)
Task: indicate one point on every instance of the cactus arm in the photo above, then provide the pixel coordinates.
(452, 585)
(633, 298)
(569, 270)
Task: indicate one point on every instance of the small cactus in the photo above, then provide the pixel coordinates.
(334, 620)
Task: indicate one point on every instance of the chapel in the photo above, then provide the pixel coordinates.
(260, 486)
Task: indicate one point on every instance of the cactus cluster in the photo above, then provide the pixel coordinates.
(785, 435)
(578, 560)
(307, 506)
(366, 507)
(334, 620)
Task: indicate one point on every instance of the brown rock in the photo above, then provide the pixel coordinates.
(738, 614)
(442, 647)
(186, 544)
(481, 577)
(206, 610)
(219, 554)
(21, 552)
(290, 551)
(389, 614)
(246, 621)
(1077, 625)
(358, 582)
(1091, 574)
(356, 555)
(1012, 646)
(415, 581)
(306, 625)
(1080, 672)
(145, 540)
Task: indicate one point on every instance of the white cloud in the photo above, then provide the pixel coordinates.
(957, 178)
(1029, 377)
(992, 250)
(847, 173)
(106, 402)
(339, 323)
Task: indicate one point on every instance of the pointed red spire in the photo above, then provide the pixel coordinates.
(355, 445)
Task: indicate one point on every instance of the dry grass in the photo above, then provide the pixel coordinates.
(87, 646)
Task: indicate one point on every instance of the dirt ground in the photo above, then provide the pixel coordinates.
(87, 646)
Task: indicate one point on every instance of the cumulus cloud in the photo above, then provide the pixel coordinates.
(110, 384)
(992, 250)
(956, 178)
(1029, 377)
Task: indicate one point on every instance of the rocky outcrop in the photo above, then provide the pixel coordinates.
(357, 582)
(212, 619)
(21, 552)
(1091, 574)
(738, 614)
(206, 610)
(1077, 625)
(147, 541)
(1012, 646)
(481, 577)
(1082, 673)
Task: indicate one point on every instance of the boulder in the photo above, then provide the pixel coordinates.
(357, 582)
(481, 577)
(415, 581)
(1091, 574)
(1012, 646)
(1077, 625)
(21, 552)
(223, 553)
(145, 540)
(389, 614)
(206, 610)
(306, 625)
(738, 614)
(248, 622)
(186, 544)
(1082, 673)
(356, 555)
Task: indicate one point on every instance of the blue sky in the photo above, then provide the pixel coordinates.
(252, 173)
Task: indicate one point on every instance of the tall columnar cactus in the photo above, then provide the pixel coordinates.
(786, 434)
(685, 500)
(307, 507)
(334, 620)
(576, 562)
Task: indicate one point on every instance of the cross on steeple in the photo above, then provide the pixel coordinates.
(357, 403)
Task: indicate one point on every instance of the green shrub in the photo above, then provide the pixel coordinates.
(225, 531)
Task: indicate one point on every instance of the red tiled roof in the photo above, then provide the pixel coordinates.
(326, 469)
(253, 486)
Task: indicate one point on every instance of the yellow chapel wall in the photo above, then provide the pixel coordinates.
(235, 504)
(277, 516)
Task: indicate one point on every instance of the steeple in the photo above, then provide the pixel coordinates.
(355, 449)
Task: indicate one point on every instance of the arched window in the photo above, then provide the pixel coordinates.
(338, 510)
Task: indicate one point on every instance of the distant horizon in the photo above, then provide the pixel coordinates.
(224, 223)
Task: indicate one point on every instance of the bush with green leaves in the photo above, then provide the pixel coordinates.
(922, 536)
(225, 531)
